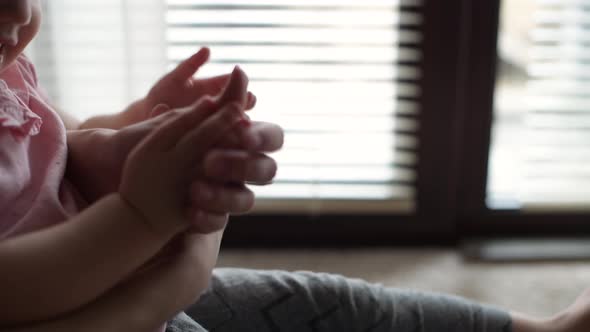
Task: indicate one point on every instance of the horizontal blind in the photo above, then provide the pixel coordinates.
(557, 165)
(339, 76)
(96, 56)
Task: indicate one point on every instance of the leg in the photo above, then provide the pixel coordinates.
(183, 323)
(247, 300)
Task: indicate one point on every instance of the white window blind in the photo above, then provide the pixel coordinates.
(551, 159)
(339, 76)
(95, 56)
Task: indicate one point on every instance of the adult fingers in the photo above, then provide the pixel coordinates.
(263, 137)
(258, 137)
(219, 199)
(236, 90)
(181, 121)
(239, 166)
(197, 141)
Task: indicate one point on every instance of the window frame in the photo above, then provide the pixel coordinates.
(435, 215)
(459, 50)
(475, 219)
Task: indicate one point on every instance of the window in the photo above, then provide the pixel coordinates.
(388, 106)
(94, 56)
(347, 71)
(335, 76)
(541, 157)
(537, 189)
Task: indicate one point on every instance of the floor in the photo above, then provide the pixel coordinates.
(537, 288)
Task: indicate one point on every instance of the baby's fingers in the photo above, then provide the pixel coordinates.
(236, 90)
(187, 68)
(263, 137)
(197, 142)
(218, 199)
(179, 122)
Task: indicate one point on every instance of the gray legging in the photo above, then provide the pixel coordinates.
(273, 301)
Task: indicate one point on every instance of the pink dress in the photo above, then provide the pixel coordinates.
(33, 153)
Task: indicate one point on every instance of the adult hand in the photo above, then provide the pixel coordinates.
(157, 173)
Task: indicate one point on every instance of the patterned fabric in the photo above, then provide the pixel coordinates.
(278, 301)
(183, 323)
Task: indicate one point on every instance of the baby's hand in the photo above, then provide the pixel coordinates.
(219, 184)
(179, 88)
(157, 174)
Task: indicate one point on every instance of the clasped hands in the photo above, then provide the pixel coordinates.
(217, 182)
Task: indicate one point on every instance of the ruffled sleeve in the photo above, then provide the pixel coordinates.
(15, 116)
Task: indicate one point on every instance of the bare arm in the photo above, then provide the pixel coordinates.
(61, 268)
(147, 300)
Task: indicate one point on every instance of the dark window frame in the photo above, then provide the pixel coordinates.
(475, 219)
(457, 84)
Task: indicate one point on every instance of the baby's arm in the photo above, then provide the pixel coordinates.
(177, 89)
(87, 256)
(56, 270)
(145, 301)
(90, 254)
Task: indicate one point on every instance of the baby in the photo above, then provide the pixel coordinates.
(83, 212)
(118, 228)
